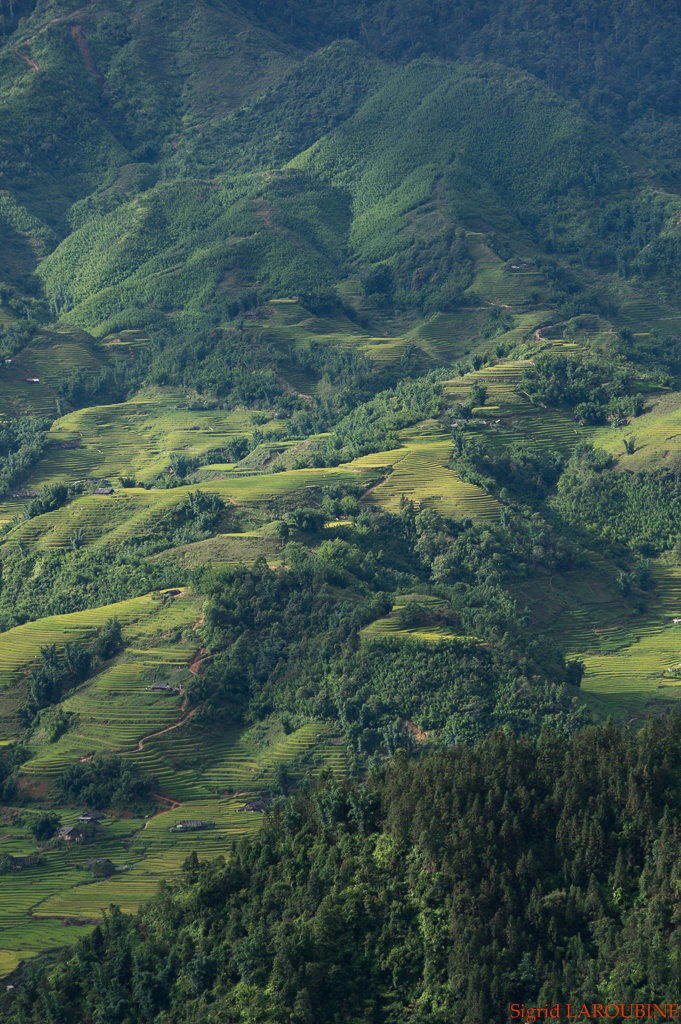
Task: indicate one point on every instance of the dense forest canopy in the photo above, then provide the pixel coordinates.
(534, 873)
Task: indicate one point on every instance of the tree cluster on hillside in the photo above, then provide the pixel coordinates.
(509, 872)
(106, 780)
(623, 68)
(594, 388)
(640, 510)
(62, 670)
(112, 383)
(289, 640)
(35, 584)
(22, 442)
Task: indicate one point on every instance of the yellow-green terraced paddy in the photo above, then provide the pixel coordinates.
(633, 678)
(225, 549)
(391, 625)
(521, 420)
(445, 334)
(132, 439)
(253, 767)
(134, 511)
(421, 474)
(205, 771)
(34, 903)
(20, 646)
(657, 434)
(628, 658)
(127, 890)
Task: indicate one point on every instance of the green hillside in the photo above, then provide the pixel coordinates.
(340, 465)
(433, 149)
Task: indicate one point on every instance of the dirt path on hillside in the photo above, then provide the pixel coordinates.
(374, 486)
(85, 52)
(198, 660)
(538, 335)
(185, 718)
(33, 64)
(174, 806)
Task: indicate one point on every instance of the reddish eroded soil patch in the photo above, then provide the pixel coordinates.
(33, 64)
(174, 806)
(36, 790)
(418, 734)
(200, 656)
(79, 36)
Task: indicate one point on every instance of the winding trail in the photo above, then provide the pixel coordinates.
(538, 335)
(374, 486)
(169, 728)
(33, 64)
(199, 660)
(174, 806)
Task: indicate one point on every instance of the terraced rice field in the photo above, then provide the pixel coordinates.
(628, 661)
(134, 512)
(420, 473)
(132, 439)
(657, 434)
(231, 824)
(253, 767)
(61, 890)
(126, 890)
(20, 647)
(642, 315)
(544, 428)
(50, 357)
(286, 322)
(34, 903)
(21, 398)
(446, 335)
(391, 624)
(492, 281)
(212, 774)
(225, 549)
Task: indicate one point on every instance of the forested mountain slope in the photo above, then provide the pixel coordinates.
(462, 886)
(340, 453)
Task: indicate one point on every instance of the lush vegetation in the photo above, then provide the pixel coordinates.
(340, 435)
(639, 509)
(106, 781)
(594, 389)
(509, 872)
(292, 639)
(22, 442)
